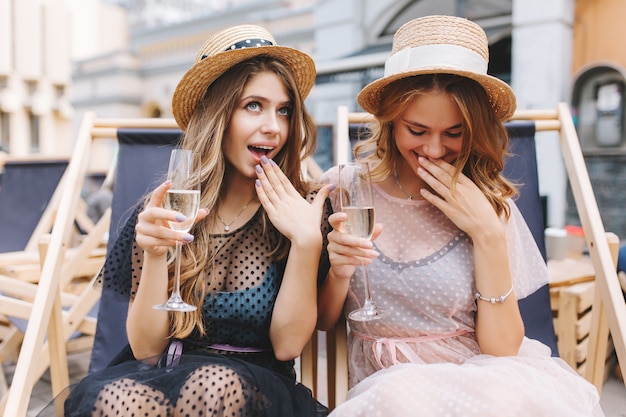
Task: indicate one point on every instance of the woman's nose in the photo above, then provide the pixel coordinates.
(270, 123)
(434, 149)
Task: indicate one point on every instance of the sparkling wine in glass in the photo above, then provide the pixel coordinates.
(183, 197)
(357, 202)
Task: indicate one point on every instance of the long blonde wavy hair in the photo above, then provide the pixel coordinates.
(485, 138)
(205, 135)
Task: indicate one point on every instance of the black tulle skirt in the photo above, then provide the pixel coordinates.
(201, 383)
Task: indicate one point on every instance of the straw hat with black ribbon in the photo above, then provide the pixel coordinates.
(227, 48)
(446, 45)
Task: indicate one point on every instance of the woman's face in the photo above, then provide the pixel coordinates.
(260, 123)
(430, 126)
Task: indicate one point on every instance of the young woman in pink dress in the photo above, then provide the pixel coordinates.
(451, 254)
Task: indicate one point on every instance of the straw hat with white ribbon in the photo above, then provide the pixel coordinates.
(441, 45)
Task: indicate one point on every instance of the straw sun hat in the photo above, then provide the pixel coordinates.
(225, 49)
(446, 45)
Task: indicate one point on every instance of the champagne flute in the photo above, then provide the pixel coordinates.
(183, 197)
(357, 202)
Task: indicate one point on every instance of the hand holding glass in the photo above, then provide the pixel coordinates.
(183, 197)
(357, 202)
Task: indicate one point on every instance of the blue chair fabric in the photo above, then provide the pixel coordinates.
(521, 168)
(26, 188)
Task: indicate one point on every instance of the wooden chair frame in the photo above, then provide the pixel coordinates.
(45, 316)
(16, 297)
(609, 309)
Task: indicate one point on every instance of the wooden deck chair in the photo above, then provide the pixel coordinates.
(609, 310)
(26, 186)
(30, 192)
(46, 315)
(42, 304)
(149, 150)
(77, 298)
(29, 197)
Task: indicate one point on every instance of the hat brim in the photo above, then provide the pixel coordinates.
(197, 79)
(500, 93)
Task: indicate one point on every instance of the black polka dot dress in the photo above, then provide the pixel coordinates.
(232, 370)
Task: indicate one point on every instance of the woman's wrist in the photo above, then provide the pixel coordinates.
(336, 276)
(309, 242)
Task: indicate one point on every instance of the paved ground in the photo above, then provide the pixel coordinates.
(613, 394)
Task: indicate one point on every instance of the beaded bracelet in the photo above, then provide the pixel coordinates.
(493, 300)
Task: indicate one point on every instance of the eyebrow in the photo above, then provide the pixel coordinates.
(416, 124)
(265, 99)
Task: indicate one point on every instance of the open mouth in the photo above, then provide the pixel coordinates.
(260, 151)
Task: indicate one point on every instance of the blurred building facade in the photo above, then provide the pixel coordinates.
(35, 75)
(125, 57)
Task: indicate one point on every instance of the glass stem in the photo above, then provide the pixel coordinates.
(176, 287)
(368, 303)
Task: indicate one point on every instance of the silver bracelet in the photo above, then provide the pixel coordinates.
(493, 300)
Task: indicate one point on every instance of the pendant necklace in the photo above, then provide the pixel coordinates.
(227, 225)
(395, 174)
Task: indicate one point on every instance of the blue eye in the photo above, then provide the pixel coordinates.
(285, 111)
(253, 105)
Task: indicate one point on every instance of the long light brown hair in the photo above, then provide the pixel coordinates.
(485, 138)
(205, 135)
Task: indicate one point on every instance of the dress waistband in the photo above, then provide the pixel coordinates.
(239, 349)
(394, 344)
(175, 349)
(224, 347)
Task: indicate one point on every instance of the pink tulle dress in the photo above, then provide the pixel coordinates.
(422, 358)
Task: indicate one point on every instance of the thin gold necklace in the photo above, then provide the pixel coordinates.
(227, 225)
(395, 174)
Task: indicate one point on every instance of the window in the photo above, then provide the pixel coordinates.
(34, 131)
(599, 111)
(4, 131)
(609, 109)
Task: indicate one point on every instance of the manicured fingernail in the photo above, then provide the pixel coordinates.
(259, 169)
(332, 187)
(272, 163)
(180, 218)
(257, 183)
(188, 237)
(264, 159)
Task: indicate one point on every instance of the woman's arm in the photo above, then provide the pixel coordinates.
(295, 309)
(148, 329)
(499, 326)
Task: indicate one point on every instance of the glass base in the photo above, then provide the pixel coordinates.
(366, 314)
(175, 304)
